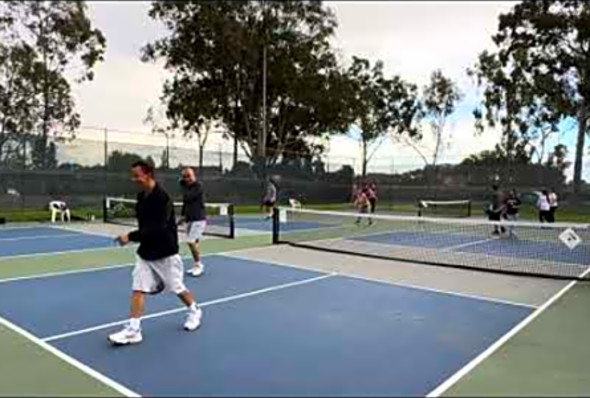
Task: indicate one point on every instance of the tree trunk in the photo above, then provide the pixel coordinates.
(235, 150)
(262, 138)
(201, 147)
(45, 127)
(364, 160)
(582, 127)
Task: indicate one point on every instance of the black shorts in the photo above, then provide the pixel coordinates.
(494, 216)
(269, 203)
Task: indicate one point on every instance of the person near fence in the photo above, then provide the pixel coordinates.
(496, 208)
(194, 215)
(372, 196)
(60, 207)
(511, 208)
(544, 207)
(362, 205)
(158, 266)
(552, 204)
(270, 198)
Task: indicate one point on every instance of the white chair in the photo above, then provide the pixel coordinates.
(294, 203)
(61, 208)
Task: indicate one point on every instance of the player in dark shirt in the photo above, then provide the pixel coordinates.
(496, 208)
(195, 217)
(511, 208)
(158, 266)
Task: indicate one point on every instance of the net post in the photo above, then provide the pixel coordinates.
(469, 209)
(275, 226)
(105, 209)
(232, 221)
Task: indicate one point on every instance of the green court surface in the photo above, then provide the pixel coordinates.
(548, 357)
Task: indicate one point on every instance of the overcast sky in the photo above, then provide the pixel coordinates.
(411, 38)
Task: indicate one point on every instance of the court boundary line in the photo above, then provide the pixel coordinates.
(17, 256)
(471, 365)
(39, 237)
(468, 244)
(69, 228)
(68, 359)
(108, 267)
(160, 314)
(398, 284)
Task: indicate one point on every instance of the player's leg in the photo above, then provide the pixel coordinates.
(194, 234)
(268, 209)
(171, 270)
(551, 215)
(144, 281)
(495, 217)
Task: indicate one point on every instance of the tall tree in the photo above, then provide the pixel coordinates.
(217, 53)
(47, 39)
(540, 74)
(43, 153)
(437, 103)
(379, 106)
(122, 161)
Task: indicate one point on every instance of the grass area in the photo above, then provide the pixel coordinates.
(30, 215)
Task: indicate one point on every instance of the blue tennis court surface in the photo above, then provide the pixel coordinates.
(39, 240)
(502, 247)
(267, 330)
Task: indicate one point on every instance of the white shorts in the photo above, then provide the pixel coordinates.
(153, 277)
(195, 229)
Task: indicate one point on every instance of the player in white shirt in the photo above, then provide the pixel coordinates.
(544, 207)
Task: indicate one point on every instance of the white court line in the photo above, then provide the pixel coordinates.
(39, 237)
(68, 359)
(62, 273)
(87, 232)
(183, 308)
(444, 386)
(468, 244)
(6, 258)
(399, 284)
(109, 267)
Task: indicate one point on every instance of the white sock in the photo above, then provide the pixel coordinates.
(135, 323)
(193, 307)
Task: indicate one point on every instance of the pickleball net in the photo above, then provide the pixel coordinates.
(557, 250)
(220, 216)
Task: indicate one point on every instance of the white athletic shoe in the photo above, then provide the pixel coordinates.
(126, 336)
(197, 270)
(193, 320)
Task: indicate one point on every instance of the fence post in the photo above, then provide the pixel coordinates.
(106, 162)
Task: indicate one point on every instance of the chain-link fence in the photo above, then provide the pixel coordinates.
(85, 169)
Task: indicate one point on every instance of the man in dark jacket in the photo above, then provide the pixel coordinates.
(158, 266)
(496, 208)
(194, 215)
